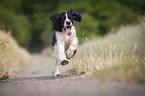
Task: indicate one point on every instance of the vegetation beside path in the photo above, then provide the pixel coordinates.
(118, 56)
(13, 58)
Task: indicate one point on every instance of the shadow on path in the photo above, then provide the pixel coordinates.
(52, 77)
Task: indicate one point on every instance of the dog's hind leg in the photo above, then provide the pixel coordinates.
(57, 72)
(56, 62)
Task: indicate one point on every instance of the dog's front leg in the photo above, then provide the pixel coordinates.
(61, 53)
(72, 48)
(60, 57)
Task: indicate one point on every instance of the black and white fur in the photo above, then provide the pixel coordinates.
(64, 41)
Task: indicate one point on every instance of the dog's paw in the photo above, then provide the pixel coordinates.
(57, 74)
(70, 54)
(65, 62)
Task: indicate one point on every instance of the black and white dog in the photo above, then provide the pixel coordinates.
(64, 41)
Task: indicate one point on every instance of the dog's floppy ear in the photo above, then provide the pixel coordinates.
(55, 18)
(76, 14)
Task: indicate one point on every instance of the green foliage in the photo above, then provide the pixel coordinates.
(11, 17)
(4, 77)
(38, 13)
(30, 25)
(88, 27)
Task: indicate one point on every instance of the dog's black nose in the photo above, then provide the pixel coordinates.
(68, 22)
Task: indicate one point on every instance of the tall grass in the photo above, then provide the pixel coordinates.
(12, 57)
(118, 56)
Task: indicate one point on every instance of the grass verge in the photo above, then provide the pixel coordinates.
(12, 57)
(119, 56)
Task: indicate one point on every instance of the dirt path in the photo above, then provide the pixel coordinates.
(41, 66)
(39, 81)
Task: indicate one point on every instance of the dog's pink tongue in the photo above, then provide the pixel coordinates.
(68, 31)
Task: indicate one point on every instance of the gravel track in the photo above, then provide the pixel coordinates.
(38, 80)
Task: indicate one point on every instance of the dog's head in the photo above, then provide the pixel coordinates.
(65, 20)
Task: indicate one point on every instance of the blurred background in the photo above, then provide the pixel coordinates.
(29, 23)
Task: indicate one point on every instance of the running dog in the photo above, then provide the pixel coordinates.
(64, 41)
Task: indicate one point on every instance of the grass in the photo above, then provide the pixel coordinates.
(12, 57)
(119, 56)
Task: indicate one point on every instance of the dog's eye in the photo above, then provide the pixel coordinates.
(69, 17)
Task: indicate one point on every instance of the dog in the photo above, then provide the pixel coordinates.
(64, 41)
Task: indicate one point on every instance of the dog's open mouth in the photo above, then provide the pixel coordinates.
(68, 30)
